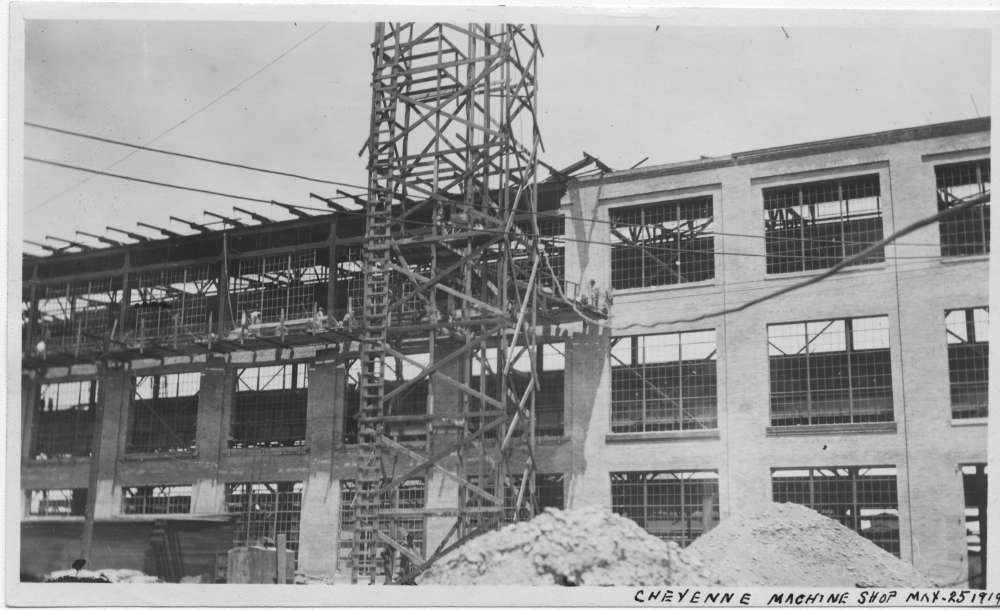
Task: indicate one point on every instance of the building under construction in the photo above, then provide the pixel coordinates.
(475, 342)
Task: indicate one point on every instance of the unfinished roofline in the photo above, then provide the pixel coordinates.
(762, 155)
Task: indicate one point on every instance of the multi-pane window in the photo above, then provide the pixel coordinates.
(550, 362)
(968, 361)
(675, 505)
(664, 243)
(164, 413)
(264, 510)
(830, 372)
(967, 232)
(816, 225)
(663, 382)
(270, 406)
(57, 502)
(410, 494)
(974, 485)
(156, 499)
(64, 420)
(862, 498)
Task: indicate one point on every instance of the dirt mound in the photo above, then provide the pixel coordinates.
(792, 545)
(585, 546)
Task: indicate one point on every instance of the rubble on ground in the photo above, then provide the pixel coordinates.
(101, 576)
(586, 546)
(792, 545)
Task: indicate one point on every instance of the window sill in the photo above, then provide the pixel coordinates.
(625, 292)
(872, 267)
(58, 461)
(821, 429)
(165, 455)
(675, 435)
(243, 451)
(551, 440)
(50, 518)
(971, 421)
(958, 260)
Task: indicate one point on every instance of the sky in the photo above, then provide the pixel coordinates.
(294, 97)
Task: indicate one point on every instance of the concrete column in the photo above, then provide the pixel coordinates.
(321, 498)
(115, 397)
(29, 392)
(442, 492)
(588, 391)
(208, 494)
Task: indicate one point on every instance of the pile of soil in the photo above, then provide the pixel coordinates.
(586, 546)
(792, 545)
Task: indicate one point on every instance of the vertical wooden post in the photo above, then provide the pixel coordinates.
(282, 562)
(223, 288)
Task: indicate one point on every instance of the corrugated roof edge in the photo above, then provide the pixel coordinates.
(881, 138)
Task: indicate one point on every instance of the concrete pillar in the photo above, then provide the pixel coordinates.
(321, 498)
(29, 393)
(588, 393)
(208, 494)
(115, 397)
(442, 491)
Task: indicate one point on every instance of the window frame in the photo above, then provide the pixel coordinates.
(246, 431)
(981, 409)
(856, 504)
(978, 213)
(680, 423)
(880, 417)
(667, 509)
(151, 406)
(40, 426)
(182, 503)
(779, 263)
(702, 262)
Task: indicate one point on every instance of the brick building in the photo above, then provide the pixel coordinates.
(863, 395)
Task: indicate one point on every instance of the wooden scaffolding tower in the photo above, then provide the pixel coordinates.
(452, 268)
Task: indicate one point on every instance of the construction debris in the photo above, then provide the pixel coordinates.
(587, 546)
(102, 576)
(792, 545)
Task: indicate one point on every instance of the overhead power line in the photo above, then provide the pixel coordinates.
(968, 203)
(292, 207)
(190, 116)
(342, 195)
(146, 181)
(191, 156)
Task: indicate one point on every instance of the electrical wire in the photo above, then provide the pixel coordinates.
(190, 116)
(193, 156)
(365, 188)
(415, 222)
(970, 202)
